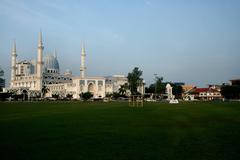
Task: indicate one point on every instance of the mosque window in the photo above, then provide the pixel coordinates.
(82, 82)
(100, 82)
(90, 81)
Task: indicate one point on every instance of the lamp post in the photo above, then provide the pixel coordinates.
(155, 86)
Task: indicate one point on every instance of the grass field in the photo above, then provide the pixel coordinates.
(74, 130)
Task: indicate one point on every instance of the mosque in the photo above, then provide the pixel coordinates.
(30, 77)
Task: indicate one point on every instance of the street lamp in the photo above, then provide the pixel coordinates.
(155, 86)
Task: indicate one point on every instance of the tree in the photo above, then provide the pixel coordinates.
(177, 90)
(55, 96)
(160, 86)
(134, 80)
(109, 95)
(116, 95)
(4, 96)
(157, 87)
(69, 96)
(150, 89)
(123, 89)
(86, 96)
(230, 92)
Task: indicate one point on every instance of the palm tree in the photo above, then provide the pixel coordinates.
(123, 89)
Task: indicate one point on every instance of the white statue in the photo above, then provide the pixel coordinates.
(171, 97)
(169, 92)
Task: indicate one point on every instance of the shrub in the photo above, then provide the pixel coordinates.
(86, 96)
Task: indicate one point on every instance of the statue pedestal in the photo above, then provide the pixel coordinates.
(173, 101)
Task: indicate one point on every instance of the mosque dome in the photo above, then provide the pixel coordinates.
(1, 72)
(51, 64)
(68, 72)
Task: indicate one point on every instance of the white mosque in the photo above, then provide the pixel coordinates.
(29, 77)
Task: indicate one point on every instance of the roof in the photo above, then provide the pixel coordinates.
(51, 62)
(201, 90)
(234, 80)
(198, 90)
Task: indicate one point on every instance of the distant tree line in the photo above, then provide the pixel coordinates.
(230, 92)
(159, 87)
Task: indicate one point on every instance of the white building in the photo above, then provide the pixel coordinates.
(31, 76)
(113, 83)
(27, 76)
(2, 80)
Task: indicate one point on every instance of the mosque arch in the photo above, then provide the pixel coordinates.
(91, 88)
(25, 94)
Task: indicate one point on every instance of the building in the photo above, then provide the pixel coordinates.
(25, 68)
(235, 82)
(27, 76)
(113, 83)
(191, 92)
(2, 80)
(215, 86)
(187, 92)
(206, 94)
(178, 83)
(31, 77)
(187, 88)
(78, 84)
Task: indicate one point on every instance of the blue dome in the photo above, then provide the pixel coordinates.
(1, 72)
(51, 64)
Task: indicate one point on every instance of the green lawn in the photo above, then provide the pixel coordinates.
(74, 130)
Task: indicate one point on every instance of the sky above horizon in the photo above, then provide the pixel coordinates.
(192, 41)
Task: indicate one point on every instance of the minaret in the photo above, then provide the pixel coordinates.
(39, 62)
(13, 66)
(82, 67)
(55, 53)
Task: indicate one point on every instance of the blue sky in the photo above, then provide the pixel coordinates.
(194, 41)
